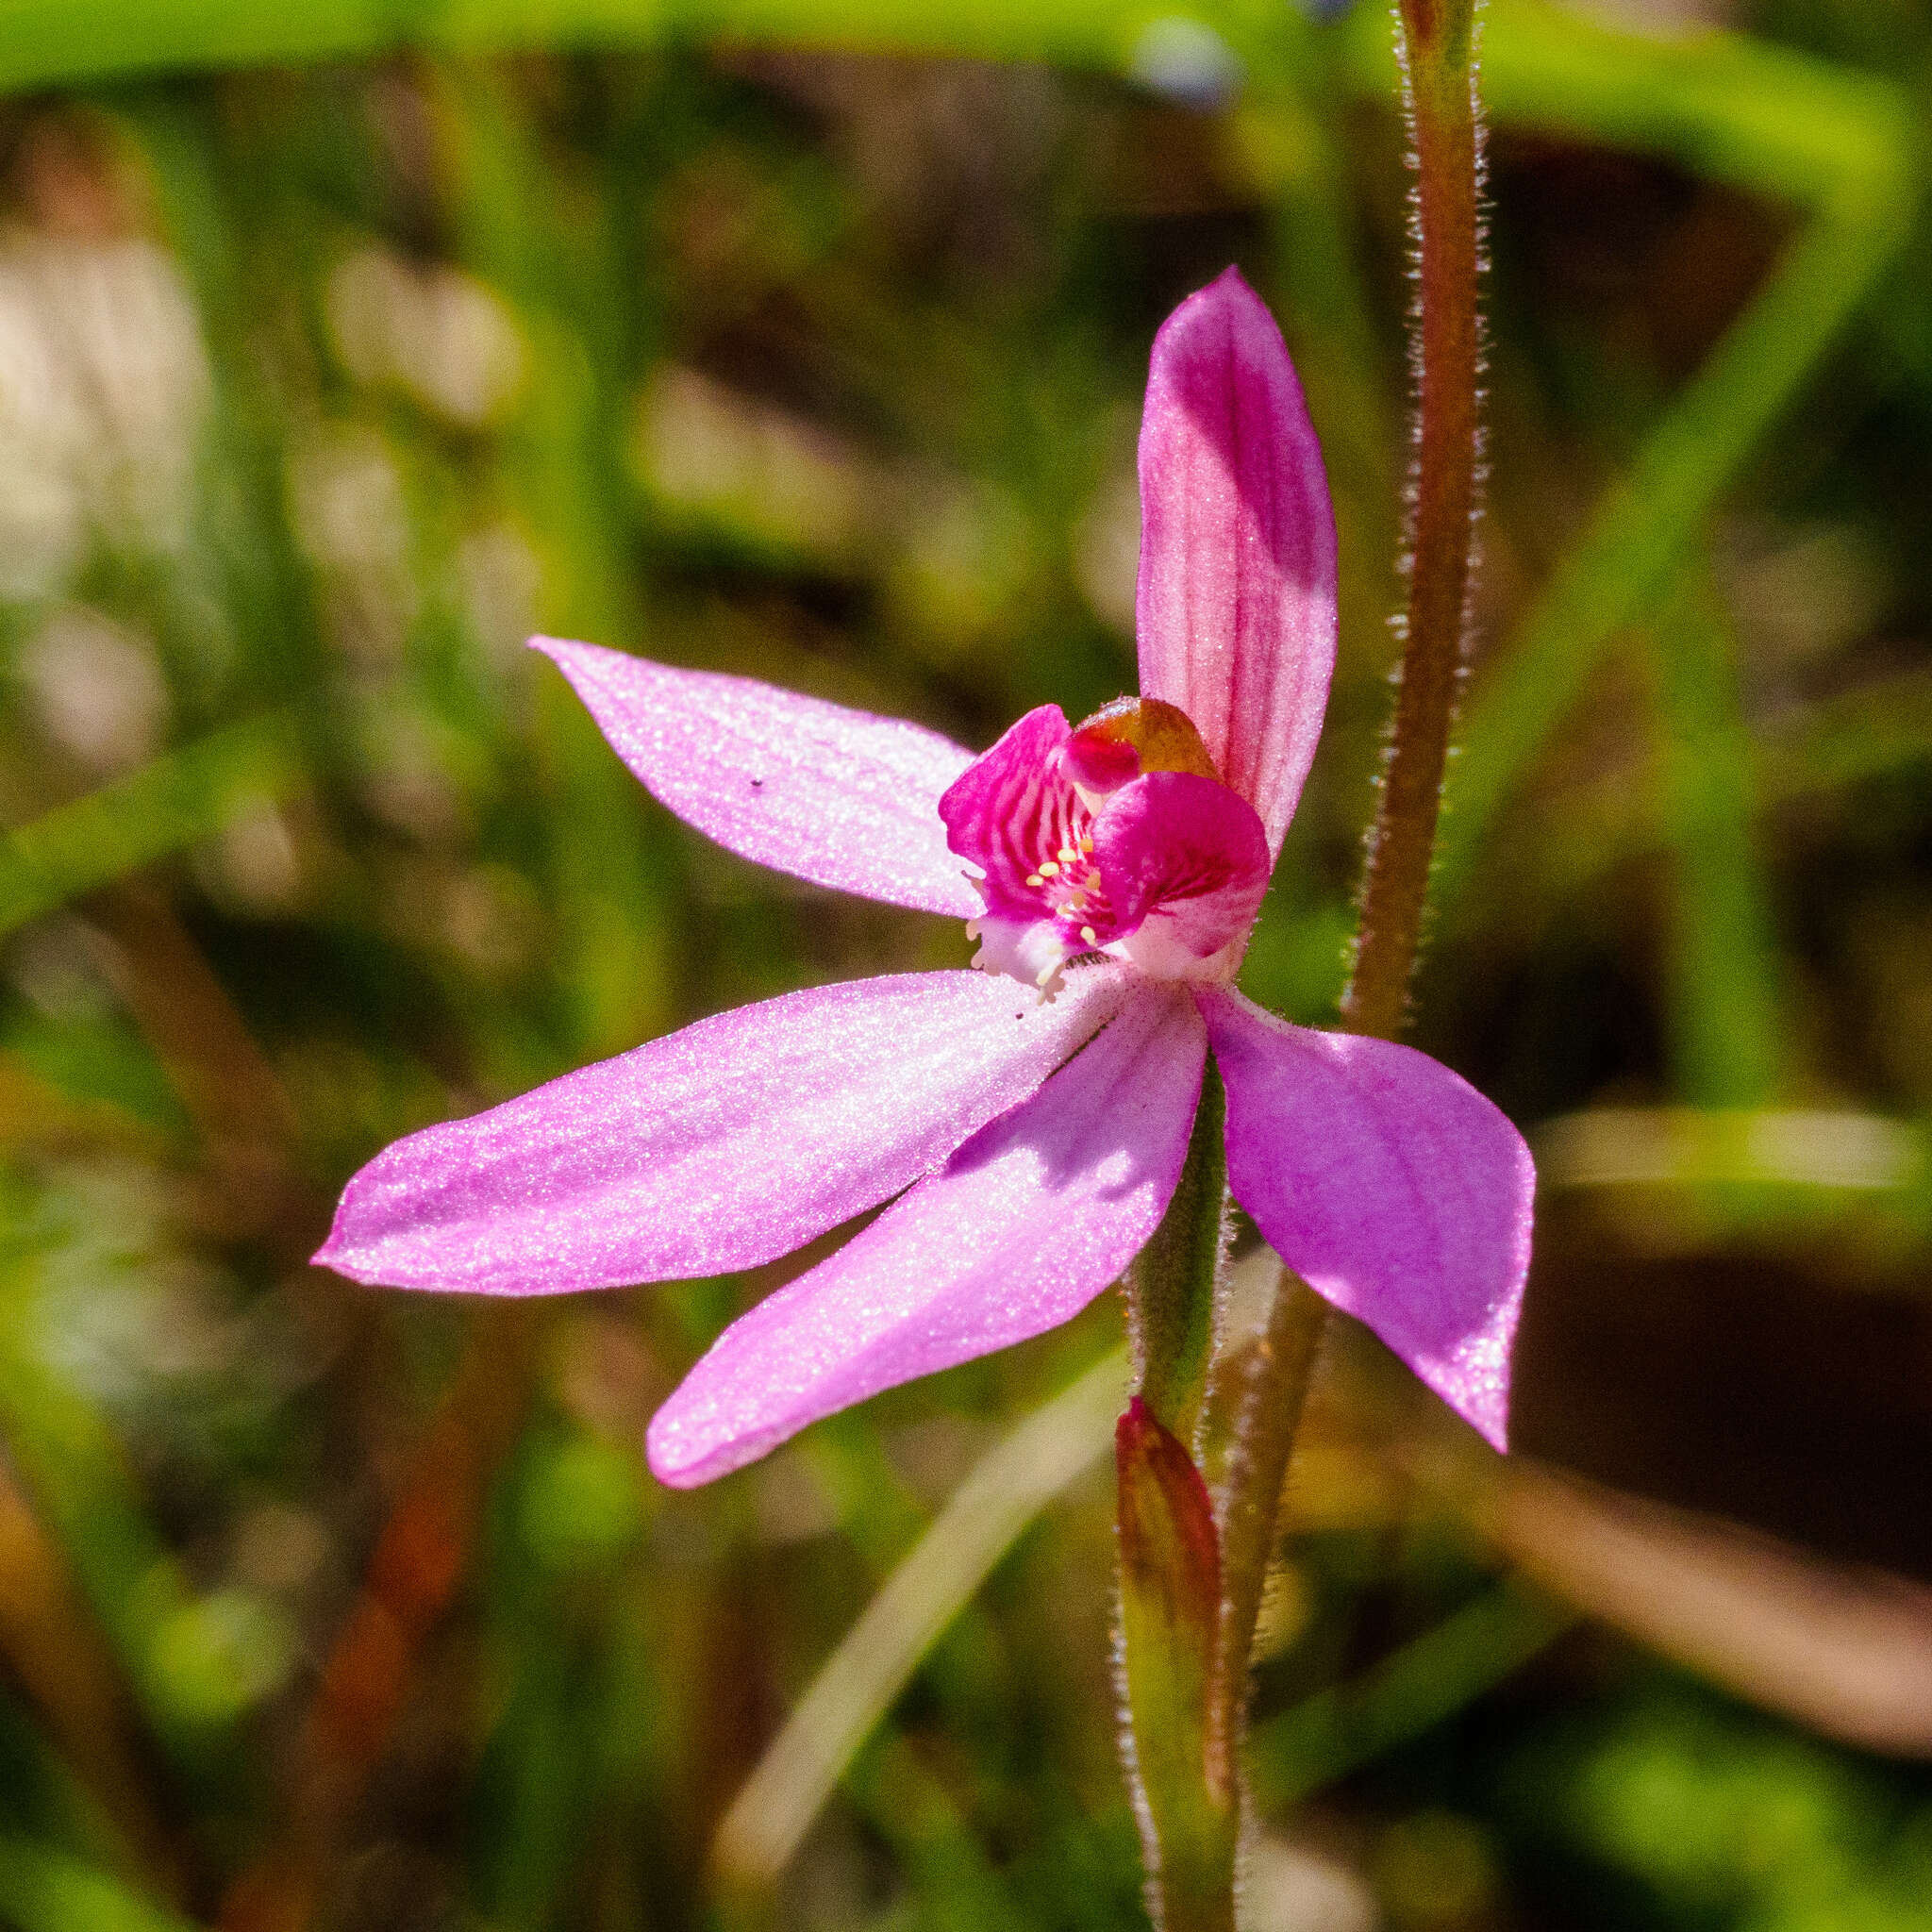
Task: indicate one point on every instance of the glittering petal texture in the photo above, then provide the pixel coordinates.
(833, 795)
(1236, 615)
(1390, 1185)
(1023, 1228)
(722, 1146)
(1185, 864)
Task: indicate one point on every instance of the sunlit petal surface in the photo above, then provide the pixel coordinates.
(1388, 1184)
(1020, 1230)
(833, 795)
(1236, 609)
(722, 1146)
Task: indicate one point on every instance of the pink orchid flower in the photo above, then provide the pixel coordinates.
(1027, 1122)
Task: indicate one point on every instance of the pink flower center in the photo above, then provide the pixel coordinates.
(1115, 838)
(1070, 885)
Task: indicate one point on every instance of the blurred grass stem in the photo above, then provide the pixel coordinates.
(178, 800)
(57, 1656)
(1007, 1489)
(1728, 1034)
(1337, 1730)
(1652, 517)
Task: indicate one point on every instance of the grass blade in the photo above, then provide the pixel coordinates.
(176, 801)
(1408, 1693)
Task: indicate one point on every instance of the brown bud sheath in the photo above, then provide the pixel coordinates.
(1184, 1792)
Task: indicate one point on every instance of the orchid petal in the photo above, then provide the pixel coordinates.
(833, 795)
(1018, 1231)
(1388, 1184)
(1012, 807)
(1236, 615)
(720, 1147)
(1185, 864)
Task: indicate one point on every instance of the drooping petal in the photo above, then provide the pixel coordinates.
(1018, 1231)
(717, 1148)
(1235, 612)
(1388, 1184)
(1185, 864)
(833, 795)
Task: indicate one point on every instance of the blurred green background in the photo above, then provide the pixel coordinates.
(340, 346)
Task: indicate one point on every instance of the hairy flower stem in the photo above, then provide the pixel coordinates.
(1436, 42)
(1262, 1393)
(1191, 1574)
(1183, 1654)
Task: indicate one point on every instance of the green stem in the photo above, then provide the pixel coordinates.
(1173, 1286)
(1437, 43)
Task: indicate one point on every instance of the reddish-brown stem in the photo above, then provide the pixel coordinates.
(1440, 92)
(1435, 39)
(1183, 1721)
(1265, 1390)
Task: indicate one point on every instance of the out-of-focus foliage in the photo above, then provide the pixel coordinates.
(806, 339)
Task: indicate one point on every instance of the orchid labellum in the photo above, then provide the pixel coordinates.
(1028, 1121)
